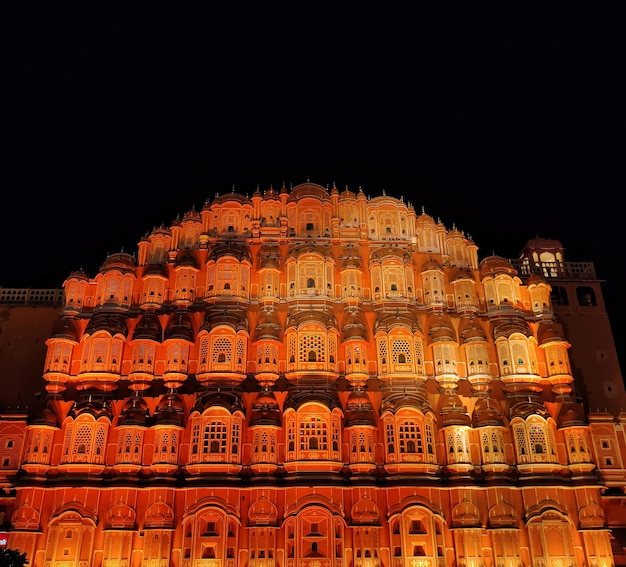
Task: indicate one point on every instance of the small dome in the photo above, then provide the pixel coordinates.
(161, 231)
(238, 251)
(121, 261)
(192, 215)
(536, 278)
(527, 408)
(431, 265)
(156, 270)
(345, 194)
(405, 318)
(441, 329)
(235, 318)
(45, 417)
(309, 189)
(461, 274)
(187, 259)
(514, 323)
(354, 327)
(94, 407)
(180, 327)
(112, 323)
(455, 233)
(226, 400)
(170, 411)
(359, 410)
(486, 413)
(452, 411)
(350, 263)
(233, 196)
(311, 315)
(494, 265)
(268, 327)
(550, 333)
(571, 414)
(148, 327)
(65, 329)
(471, 331)
(265, 410)
(134, 412)
(78, 275)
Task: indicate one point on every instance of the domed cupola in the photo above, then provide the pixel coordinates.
(121, 261)
(571, 414)
(79, 275)
(346, 193)
(155, 277)
(431, 265)
(512, 323)
(471, 331)
(65, 330)
(427, 234)
(155, 270)
(527, 407)
(112, 323)
(299, 317)
(268, 327)
(452, 411)
(46, 417)
(148, 328)
(433, 283)
(550, 333)
(180, 327)
(496, 265)
(308, 189)
(187, 259)
(191, 215)
(406, 319)
(269, 261)
(134, 412)
(461, 274)
(234, 197)
(235, 318)
(226, 400)
(441, 328)
(170, 411)
(354, 327)
(359, 410)
(486, 413)
(325, 397)
(96, 408)
(265, 410)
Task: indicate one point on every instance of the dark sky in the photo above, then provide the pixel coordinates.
(505, 121)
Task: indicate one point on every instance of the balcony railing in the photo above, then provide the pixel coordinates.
(560, 270)
(30, 297)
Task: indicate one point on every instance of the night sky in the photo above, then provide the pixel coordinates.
(504, 121)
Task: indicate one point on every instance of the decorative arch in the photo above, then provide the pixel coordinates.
(70, 535)
(210, 531)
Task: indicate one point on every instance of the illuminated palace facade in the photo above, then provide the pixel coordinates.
(310, 377)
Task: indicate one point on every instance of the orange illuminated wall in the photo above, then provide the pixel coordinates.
(309, 377)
